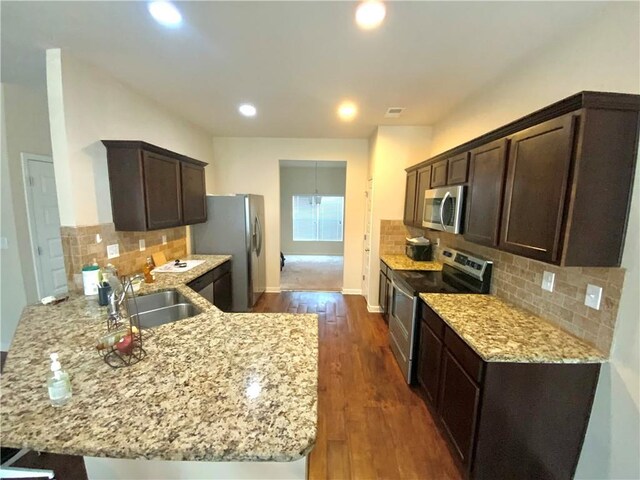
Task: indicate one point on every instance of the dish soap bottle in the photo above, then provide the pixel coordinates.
(148, 276)
(58, 384)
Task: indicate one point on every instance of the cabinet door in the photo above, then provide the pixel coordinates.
(457, 169)
(459, 396)
(387, 304)
(163, 194)
(537, 180)
(410, 197)
(430, 355)
(222, 292)
(439, 174)
(484, 194)
(194, 201)
(424, 180)
(382, 294)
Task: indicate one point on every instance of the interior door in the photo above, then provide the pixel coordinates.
(44, 223)
(366, 269)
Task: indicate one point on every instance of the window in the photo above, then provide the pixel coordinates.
(317, 218)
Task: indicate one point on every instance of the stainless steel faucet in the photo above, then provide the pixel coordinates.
(116, 298)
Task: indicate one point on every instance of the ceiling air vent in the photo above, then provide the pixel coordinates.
(394, 112)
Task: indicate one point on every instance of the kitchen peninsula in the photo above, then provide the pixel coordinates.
(217, 394)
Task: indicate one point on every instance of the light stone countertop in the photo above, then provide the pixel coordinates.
(501, 332)
(402, 262)
(213, 387)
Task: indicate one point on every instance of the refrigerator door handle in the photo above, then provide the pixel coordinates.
(258, 236)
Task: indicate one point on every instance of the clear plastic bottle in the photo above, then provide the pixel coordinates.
(58, 384)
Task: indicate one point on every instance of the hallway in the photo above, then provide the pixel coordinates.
(321, 273)
(370, 423)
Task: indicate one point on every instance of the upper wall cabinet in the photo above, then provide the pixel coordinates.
(153, 188)
(554, 185)
(410, 197)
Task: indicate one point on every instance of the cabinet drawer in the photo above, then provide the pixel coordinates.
(430, 317)
(220, 270)
(466, 357)
(200, 282)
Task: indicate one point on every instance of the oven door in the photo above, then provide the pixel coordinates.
(443, 209)
(402, 329)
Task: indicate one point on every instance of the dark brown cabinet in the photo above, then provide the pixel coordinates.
(193, 193)
(153, 188)
(215, 286)
(384, 290)
(457, 169)
(424, 181)
(484, 194)
(162, 190)
(560, 192)
(535, 190)
(493, 415)
(459, 397)
(410, 197)
(439, 173)
(429, 359)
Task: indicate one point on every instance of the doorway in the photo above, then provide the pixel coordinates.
(312, 206)
(44, 224)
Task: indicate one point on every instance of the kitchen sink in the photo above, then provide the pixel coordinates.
(159, 308)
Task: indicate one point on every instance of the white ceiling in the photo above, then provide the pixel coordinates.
(294, 60)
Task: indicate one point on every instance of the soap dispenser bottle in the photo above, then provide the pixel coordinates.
(59, 385)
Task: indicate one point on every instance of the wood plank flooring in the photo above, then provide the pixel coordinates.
(370, 423)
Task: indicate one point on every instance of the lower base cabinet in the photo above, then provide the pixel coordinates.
(503, 420)
(215, 286)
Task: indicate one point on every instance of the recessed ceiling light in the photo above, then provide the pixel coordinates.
(247, 110)
(347, 111)
(370, 14)
(165, 13)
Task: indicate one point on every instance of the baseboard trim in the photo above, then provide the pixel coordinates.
(352, 291)
(273, 290)
(374, 308)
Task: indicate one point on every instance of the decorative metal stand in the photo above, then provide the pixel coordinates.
(122, 325)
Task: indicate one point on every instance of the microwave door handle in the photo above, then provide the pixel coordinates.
(444, 200)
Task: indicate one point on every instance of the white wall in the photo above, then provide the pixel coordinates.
(392, 149)
(251, 165)
(305, 181)
(86, 106)
(25, 128)
(602, 56)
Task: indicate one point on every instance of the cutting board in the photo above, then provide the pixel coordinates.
(170, 267)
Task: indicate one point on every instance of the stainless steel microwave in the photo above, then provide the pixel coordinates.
(443, 209)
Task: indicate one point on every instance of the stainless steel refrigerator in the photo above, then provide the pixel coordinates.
(234, 226)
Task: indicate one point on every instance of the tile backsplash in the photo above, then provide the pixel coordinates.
(80, 247)
(517, 279)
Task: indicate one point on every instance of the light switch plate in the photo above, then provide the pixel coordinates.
(548, 279)
(143, 245)
(113, 251)
(593, 296)
(4, 243)
(164, 239)
(98, 238)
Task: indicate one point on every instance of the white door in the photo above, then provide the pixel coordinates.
(367, 241)
(44, 224)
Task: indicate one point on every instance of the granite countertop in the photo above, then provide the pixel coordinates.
(213, 387)
(402, 262)
(501, 332)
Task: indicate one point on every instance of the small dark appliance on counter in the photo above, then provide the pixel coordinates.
(418, 249)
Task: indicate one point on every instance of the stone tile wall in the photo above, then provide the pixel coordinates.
(393, 234)
(80, 248)
(517, 279)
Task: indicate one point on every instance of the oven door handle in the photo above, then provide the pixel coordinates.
(444, 200)
(403, 292)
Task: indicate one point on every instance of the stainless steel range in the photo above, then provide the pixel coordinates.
(461, 273)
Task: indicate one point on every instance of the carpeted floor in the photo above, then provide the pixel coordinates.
(312, 272)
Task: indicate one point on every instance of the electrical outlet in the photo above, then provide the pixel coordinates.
(164, 239)
(113, 251)
(437, 242)
(593, 296)
(548, 278)
(143, 245)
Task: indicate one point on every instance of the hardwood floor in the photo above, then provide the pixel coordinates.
(370, 423)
